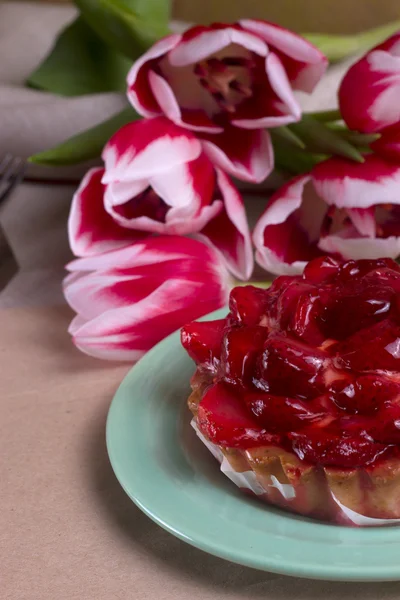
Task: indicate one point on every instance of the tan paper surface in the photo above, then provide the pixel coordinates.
(67, 530)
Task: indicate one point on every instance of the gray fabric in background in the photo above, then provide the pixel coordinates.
(35, 217)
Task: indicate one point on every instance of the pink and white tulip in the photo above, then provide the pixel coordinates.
(129, 299)
(224, 79)
(388, 145)
(370, 91)
(157, 180)
(341, 207)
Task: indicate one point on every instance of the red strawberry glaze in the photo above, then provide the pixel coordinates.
(202, 340)
(226, 421)
(312, 365)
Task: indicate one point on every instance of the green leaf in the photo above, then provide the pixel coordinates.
(354, 137)
(129, 26)
(338, 47)
(81, 63)
(319, 138)
(86, 145)
(289, 135)
(291, 160)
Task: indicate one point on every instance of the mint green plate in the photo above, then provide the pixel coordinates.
(172, 477)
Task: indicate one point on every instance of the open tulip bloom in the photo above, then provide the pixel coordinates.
(161, 231)
(228, 83)
(157, 180)
(335, 209)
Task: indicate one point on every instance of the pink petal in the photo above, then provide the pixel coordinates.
(91, 294)
(139, 91)
(121, 213)
(198, 120)
(287, 233)
(392, 44)
(170, 107)
(229, 231)
(281, 85)
(165, 97)
(245, 154)
(120, 192)
(303, 62)
(384, 109)
(388, 145)
(190, 193)
(363, 220)
(345, 183)
(141, 149)
(151, 250)
(264, 122)
(76, 323)
(276, 102)
(199, 42)
(180, 226)
(90, 229)
(73, 277)
(127, 332)
(369, 92)
(186, 192)
(358, 248)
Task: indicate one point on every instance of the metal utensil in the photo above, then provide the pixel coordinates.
(11, 174)
(12, 170)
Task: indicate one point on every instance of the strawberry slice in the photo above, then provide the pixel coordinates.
(288, 299)
(373, 348)
(224, 419)
(358, 305)
(321, 270)
(386, 277)
(358, 268)
(386, 427)
(202, 340)
(247, 304)
(318, 446)
(363, 395)
(290, 368)
(240, 348)
(281, 414)
(307, 318)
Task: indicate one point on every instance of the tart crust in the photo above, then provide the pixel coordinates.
(316, 491)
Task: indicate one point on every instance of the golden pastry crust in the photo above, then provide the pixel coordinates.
(373, 491)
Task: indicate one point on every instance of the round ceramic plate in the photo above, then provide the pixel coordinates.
(172, 477)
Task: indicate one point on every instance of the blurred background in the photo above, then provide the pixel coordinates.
(333, 16)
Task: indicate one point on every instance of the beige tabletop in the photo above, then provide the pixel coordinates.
(67, 530)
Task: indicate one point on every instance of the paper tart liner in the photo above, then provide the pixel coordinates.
(331, 494)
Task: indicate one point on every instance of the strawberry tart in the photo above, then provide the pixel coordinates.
(297, 391)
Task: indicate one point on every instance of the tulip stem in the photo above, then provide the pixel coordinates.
(354, 137)
(338, 47)
(326, 116)
(264, 284)
(319, 138)
(261, 284)
(358, 139)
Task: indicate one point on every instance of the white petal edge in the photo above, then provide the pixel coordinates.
(358, 248)
(210, 42)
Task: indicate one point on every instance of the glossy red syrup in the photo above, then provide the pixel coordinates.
(312, 364)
